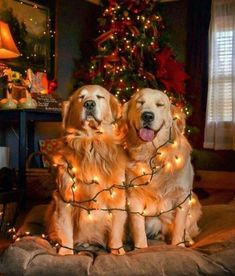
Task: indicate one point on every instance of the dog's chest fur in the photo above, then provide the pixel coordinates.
(164, 170)
(100, 159)
(100, 164)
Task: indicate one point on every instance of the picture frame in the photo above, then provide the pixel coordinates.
(32, 26)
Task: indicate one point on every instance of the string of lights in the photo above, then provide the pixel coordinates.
(71, 171)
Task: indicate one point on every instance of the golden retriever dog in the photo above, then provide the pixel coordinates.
(89, 205)
(159, 173)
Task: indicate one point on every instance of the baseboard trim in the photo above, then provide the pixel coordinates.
(214, 180)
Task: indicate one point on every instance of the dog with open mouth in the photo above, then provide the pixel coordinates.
(89, 205)
(159, 172)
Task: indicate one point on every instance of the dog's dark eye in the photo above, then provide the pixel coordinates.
(99, 97)
(81, 97)
(159, 104)
(140, 102)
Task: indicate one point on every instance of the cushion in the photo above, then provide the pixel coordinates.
(212, 254)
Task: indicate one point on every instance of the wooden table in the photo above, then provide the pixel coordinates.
(26, 118)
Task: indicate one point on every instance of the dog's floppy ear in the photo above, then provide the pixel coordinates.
(128, 106)
(178, 117)
(125, 108)
(115, 107)
(65, 108)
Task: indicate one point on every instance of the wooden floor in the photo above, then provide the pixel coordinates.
(213, 196)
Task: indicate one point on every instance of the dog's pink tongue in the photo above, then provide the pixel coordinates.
(146, 134)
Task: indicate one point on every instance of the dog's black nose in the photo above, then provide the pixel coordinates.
(147, 116)
(89, 105)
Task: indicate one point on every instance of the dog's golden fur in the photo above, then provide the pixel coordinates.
(90, 145)
(149, 118)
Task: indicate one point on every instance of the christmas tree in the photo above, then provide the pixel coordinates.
(132, 52)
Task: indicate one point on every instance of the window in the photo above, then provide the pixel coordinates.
(220, 121)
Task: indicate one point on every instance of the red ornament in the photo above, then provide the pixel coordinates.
(52, 85)
(170, 72)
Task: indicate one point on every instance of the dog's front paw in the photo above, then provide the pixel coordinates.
(141, 245)
(65, 251)
(181, 244)
(119, 252)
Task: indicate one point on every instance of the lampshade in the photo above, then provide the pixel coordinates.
(8, 48)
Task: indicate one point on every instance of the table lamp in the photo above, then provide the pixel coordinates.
(8, 50)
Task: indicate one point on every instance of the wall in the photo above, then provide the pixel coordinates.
(76, 29)
(174, 15)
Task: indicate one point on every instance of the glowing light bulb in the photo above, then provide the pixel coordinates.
(161, 155)
(27, 233)
(176, 116)
(168, 165)
(12, 230)
(72, 179)
(191, 242)
(74, 188)
(43, 236)
(174, 144)
(95, 179)
(144, 213)
(143, 171)
(177, 160)
(112, 194)
(89, 216)
(74, 169)
(192, 201)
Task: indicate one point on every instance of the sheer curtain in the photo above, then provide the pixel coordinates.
(220, 114)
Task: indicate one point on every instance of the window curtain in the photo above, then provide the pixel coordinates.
(220, 112)
(197, 27)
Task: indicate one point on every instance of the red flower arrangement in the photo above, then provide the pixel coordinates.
(170, 72)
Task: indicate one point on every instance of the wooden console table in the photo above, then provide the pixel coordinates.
(26, 118)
